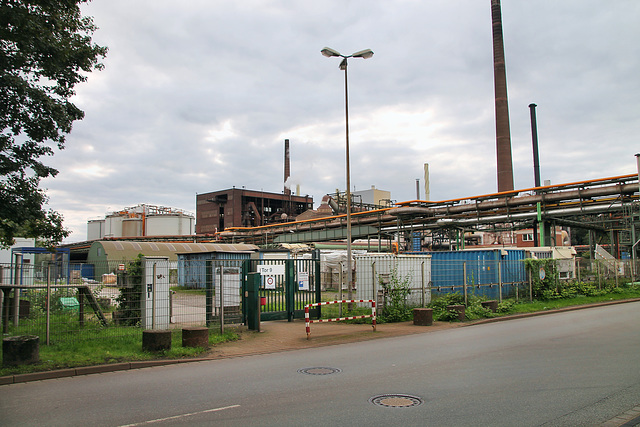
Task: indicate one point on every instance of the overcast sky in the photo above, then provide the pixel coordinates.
(199, 95)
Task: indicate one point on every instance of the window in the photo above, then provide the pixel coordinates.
(528, 237)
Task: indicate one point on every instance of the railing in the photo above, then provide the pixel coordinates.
(308, 321)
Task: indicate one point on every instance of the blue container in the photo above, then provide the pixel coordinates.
(87, 271)
(484, 270)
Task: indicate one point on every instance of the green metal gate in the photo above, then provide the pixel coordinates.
(284, 285)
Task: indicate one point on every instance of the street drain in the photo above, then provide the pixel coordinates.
(319, 371)
(396, 400)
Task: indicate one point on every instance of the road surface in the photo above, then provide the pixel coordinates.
(567, 369)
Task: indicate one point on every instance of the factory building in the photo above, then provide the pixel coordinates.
(239, 207)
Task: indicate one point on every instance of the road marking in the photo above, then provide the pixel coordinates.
(175, 417)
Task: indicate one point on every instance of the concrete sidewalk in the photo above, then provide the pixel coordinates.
(280, 335)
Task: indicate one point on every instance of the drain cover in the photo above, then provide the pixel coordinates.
(319, 371)
(396, 400)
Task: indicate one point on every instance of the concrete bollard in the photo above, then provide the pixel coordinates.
(458, 308)
(195, 336)
(156, 340)
(423, 316)
(491, 305)
(20, 350)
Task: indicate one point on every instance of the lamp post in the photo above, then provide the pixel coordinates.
(364, 54)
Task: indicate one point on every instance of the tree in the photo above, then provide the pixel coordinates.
(45, 51)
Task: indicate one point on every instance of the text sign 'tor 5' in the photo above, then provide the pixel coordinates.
(270, 270)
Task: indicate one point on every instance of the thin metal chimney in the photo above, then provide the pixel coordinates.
(427, 190)
(287, 168)
(503, 134)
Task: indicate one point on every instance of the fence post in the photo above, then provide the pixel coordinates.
(500, 280)
(341, 276)
(374, 283)
(529, 273)
(209, 291)
(221, 300)
(153, 296)
(464, 281)
(422, 283)
(48, 304)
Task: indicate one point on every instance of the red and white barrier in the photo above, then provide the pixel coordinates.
(309, 321)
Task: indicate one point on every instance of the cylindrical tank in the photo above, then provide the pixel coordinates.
(113, 226)
(95, 229)
(169, 225)
(132, 227)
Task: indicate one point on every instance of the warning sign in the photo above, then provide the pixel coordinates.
(303, 281)
(269, 282)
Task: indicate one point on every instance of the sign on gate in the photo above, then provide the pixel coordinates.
(271, 269)
(303, 280)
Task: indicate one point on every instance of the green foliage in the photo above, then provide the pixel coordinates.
(396, 292)
(129, 307)
(542, 287)
(45, 50)
(439, 306)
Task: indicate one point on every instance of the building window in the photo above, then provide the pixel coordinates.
(528, 237)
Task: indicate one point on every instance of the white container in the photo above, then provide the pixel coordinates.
(95, 229)
(169, 225)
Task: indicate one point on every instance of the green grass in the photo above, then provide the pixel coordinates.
(534, 306)
(98, 350)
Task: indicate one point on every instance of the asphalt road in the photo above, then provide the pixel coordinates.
(567, 369)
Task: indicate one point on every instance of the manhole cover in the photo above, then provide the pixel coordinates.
(319, 371)
(396, 400)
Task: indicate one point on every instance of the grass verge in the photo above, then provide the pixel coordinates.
(109, 349)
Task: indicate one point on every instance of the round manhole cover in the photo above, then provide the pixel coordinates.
(396, 400)
(319, 371)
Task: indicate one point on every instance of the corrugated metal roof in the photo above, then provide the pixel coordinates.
(128, 250)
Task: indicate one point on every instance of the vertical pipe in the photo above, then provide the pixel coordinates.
(536, 163)
(417, 189)
(503, 137)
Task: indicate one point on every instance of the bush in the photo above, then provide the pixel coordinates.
(396, 292)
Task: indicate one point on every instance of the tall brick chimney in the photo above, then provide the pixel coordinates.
(503, 134)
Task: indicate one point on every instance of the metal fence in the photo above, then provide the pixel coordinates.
(57, 303)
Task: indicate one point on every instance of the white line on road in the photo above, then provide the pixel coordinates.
(175, 417)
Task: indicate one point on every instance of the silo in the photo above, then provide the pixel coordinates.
(113, 226)
(132, 227)
(95, 229)
(169, 225)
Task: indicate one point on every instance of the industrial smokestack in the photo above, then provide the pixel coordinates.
(503, 134)
(287, 167)
(427, 190)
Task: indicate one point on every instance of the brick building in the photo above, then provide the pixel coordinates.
(239, 207)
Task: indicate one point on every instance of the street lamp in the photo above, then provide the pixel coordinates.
(364, 54)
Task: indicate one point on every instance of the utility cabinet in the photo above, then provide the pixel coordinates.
(155, 293)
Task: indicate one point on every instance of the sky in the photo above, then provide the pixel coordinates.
(199, 96)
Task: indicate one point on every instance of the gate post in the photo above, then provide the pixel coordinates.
(252, 299)
(289, 288)
(209, 291)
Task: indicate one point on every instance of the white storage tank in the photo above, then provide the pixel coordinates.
(132, 227)
(169, 225)
(113, 226)
(95, 229)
